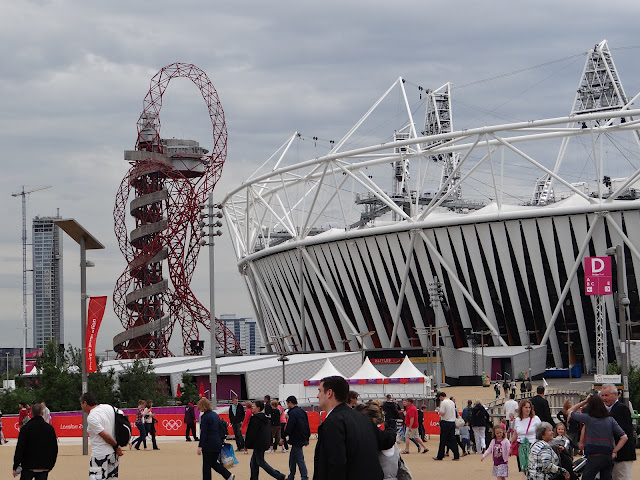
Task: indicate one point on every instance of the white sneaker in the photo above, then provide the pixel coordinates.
(232, 477)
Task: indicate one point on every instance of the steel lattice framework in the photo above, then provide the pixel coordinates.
(168, 191)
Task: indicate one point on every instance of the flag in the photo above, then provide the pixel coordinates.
(178, 392)
(96, 312)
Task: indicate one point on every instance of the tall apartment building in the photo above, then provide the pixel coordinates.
(48, 320)
(246, 331)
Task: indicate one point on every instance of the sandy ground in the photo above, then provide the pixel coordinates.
(178, 459)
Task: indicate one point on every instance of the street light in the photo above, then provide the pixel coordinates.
(7, 369)
(210, 216)
(569, 343)
(623, 302)
(429, 330)
(362, 336)
(86, 242)
(283, 358)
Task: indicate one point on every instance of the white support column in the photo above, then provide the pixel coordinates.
(403, 287)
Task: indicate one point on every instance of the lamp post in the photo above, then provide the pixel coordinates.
(569, 343)
(283, 358)
(362, 336)
(623, 303)
(7, 369)
(86, 242)
(482, 333)
(429, 330)
(210, 216)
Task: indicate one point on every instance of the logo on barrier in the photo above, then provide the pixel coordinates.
(172, 424)
(16, 426)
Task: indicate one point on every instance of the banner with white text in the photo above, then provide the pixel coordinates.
(96, 312)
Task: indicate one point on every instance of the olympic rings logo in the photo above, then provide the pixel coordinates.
(172, 424)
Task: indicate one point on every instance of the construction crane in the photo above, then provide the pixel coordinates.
(24, 194)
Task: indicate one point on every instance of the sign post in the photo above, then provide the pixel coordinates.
(597, 281)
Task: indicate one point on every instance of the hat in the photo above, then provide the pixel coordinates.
(442, 394)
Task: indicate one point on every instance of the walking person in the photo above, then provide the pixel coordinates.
(621, 414)
(447, 412)
(391, 413)
(105, 451)
(236, 417)
(149, 423)
(465, 438)
(347, 447)
(479, 420)
(496, 388)
(298, 431)
(600, 431)
(140, 424)
(283, 424)
(523, 432)
(46, 413)
(190, 421)
(259, 439)
(541, 406)
(421, 430)
(23, 415)
(499, 450)
(510, 410)
(37, 448)
(275, 426)
(211, 441)
(2, 439)
(248, 411)
(411, 424)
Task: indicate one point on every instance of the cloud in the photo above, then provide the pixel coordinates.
(76, 75)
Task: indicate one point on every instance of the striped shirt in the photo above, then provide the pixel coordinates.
(543, 462)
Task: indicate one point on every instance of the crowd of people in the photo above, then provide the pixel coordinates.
(359, 440)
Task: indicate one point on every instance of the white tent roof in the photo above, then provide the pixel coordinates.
(367, 371)
(327, 370)
(407, 370)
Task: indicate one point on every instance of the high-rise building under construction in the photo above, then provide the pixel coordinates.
(48, 320)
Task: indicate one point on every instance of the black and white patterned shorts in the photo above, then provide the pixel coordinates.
(104, 468)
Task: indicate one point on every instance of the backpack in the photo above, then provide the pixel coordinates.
(122, 428)
(224, 429)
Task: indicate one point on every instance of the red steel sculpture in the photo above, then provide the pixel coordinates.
(169, 186)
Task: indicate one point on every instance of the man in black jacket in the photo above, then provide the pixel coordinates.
(236, 417)
(259, 439)
(189, 421)
(347, 447)
(620, 412)
(391, 414)
(298, 431)
(541, 406)
(37, 448)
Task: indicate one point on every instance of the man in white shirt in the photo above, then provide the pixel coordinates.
(105, 452)
(510, 409)
(447, 412)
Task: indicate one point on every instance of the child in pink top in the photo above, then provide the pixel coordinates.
(499, 447)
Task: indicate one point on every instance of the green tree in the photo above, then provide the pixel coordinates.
(138, 381)
(634, 381)
(188, 388)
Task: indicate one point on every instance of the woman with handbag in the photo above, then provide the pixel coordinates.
(523, 433)
(211, 441)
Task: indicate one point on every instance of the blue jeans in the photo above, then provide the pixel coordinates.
(258, 461)
(296, 457)
(142, 438)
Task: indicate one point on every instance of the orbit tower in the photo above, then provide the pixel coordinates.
(170, 179)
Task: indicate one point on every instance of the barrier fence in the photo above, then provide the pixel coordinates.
(69, 424)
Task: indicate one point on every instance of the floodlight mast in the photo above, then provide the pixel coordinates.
(25, 327)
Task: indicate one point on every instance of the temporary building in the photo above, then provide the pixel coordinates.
(407, 380)
(368, 381)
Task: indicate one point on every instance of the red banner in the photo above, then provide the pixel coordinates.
(96, 311)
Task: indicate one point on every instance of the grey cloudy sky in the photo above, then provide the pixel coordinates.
(74, 75)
